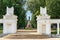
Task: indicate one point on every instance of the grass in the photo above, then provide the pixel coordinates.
(1, 29)
(53, 32)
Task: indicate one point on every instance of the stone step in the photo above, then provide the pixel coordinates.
(28, 36)
(27, 30)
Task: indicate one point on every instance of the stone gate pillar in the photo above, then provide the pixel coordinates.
(9, 22)
(43, 23)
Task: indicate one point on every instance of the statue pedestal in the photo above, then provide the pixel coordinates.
(28, 25)
(9, 24)
(43, 25)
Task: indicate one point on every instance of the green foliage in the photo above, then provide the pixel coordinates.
(18, 10)
(37, 13)
(1, 28)
(54, 10)
(42, 3)
(2, 9)
(33, 21)
(34, 6)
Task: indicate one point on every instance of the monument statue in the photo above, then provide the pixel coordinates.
(10, 11)
(28, 24)
(29, 17)
(9, 21)
(43, 11)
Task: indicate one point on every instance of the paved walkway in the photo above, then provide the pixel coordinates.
(32, 39)
(28, 33)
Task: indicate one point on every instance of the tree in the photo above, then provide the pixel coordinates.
(0, 6)
(54, 9)
(34, 6)
(18, 10)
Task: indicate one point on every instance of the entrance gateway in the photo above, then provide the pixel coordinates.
(9, 21)
(43, 22)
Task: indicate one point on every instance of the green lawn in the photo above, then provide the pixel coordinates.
(55, 32)
(1, 29)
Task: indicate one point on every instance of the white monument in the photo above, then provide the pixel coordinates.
(9, 21)
(43, 26)
(43, 22)
(43, 11)
(10, 11)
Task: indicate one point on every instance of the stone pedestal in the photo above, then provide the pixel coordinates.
(9, 24)
(28, 25)
(43, 25)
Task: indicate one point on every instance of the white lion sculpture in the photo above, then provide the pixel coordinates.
(43, 11)
(10, 11)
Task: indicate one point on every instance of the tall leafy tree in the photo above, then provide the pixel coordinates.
(19, 11)
(34, 6)
(0, 7)
(54, 9)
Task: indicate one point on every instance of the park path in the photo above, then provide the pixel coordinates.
(25, 32)
(32, 39)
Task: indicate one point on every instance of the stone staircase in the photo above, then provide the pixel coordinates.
(26, 34)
